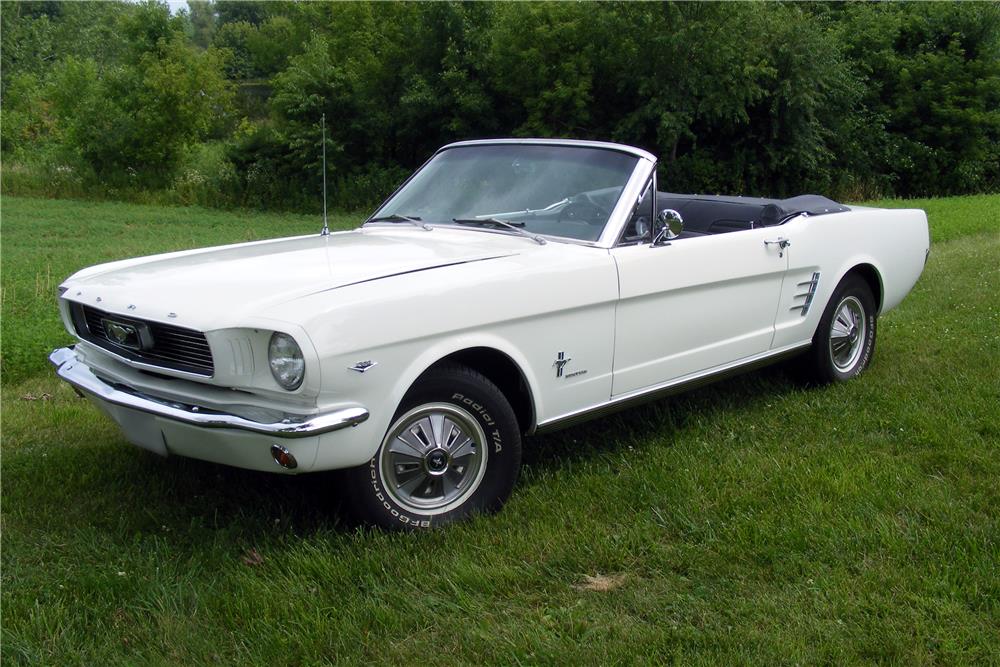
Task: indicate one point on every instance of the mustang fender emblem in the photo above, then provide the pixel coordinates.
(560, 363)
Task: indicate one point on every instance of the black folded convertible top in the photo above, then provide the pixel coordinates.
(718, 213)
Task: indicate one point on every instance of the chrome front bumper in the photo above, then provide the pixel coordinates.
(283, 425)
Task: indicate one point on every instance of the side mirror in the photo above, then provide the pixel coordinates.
(669, 225)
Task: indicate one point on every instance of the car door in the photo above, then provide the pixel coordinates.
(693, 305)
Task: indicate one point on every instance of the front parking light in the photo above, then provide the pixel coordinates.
(283, 457)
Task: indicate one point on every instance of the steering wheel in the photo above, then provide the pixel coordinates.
(642, 226)
(584, 211)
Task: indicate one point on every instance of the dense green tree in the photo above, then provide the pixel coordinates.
(932, 74)
(34, 36)
(201, 13)
(849, 99)
(263, 50)
(134, 118)
(275, 41)
(394, 80)
(247, 11)
(235, 38)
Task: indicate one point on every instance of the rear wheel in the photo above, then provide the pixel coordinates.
(453, 449)
(845, 338)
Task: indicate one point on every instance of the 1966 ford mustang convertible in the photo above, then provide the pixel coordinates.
(509, 287)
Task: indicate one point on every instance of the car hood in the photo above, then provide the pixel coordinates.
(214, 287)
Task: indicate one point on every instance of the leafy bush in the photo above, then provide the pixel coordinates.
(205, 177)
(137, 118)
(129, 117)
(367, 187)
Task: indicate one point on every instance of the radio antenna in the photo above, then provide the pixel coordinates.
(326, 225)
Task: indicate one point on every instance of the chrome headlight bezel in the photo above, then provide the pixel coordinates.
(286, 361)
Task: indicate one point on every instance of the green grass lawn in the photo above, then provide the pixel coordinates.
(751, 521)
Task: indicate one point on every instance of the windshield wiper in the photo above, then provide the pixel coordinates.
(514, 227)
(556, 204)
(395, 217)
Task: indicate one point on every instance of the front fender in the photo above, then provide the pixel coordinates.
(385, 384)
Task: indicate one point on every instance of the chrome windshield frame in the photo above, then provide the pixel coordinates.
(627, 202)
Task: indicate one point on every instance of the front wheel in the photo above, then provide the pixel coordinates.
(453, 449)
(845, 338)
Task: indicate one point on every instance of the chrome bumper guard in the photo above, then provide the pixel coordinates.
(284, 425)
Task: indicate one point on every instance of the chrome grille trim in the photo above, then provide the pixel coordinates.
(175, 348)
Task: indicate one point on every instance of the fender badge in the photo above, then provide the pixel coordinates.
(560, 363)
(362, 366)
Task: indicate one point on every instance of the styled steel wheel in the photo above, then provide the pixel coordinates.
(433, 458)
(847, 333)
(845, 338)
(453, 450)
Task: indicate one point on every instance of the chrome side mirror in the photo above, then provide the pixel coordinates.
(669, 225)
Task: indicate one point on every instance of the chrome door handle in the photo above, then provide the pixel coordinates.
(781, 242)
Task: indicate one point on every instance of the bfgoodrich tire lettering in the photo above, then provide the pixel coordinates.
(453, 449)
(844, 341)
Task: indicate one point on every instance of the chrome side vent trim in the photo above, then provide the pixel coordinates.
(807, 295)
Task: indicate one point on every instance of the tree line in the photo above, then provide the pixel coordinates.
(221, 103)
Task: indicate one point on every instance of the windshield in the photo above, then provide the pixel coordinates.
(560, 191)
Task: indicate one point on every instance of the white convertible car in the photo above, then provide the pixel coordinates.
(509, 287)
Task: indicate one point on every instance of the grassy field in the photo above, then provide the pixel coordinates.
(752, 521)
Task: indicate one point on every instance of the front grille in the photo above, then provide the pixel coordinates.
(171, 347)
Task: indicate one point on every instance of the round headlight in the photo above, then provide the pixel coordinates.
(285, 357)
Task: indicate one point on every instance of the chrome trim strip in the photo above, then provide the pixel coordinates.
(82, 378)
(668, 388)
(606, 145)
(624, 207)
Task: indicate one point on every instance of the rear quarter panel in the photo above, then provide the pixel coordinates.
(893, 241)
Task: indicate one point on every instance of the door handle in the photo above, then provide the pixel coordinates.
(781, 242)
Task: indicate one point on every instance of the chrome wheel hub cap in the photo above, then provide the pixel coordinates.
(433, 458)
(847, 334)
(436, 462)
